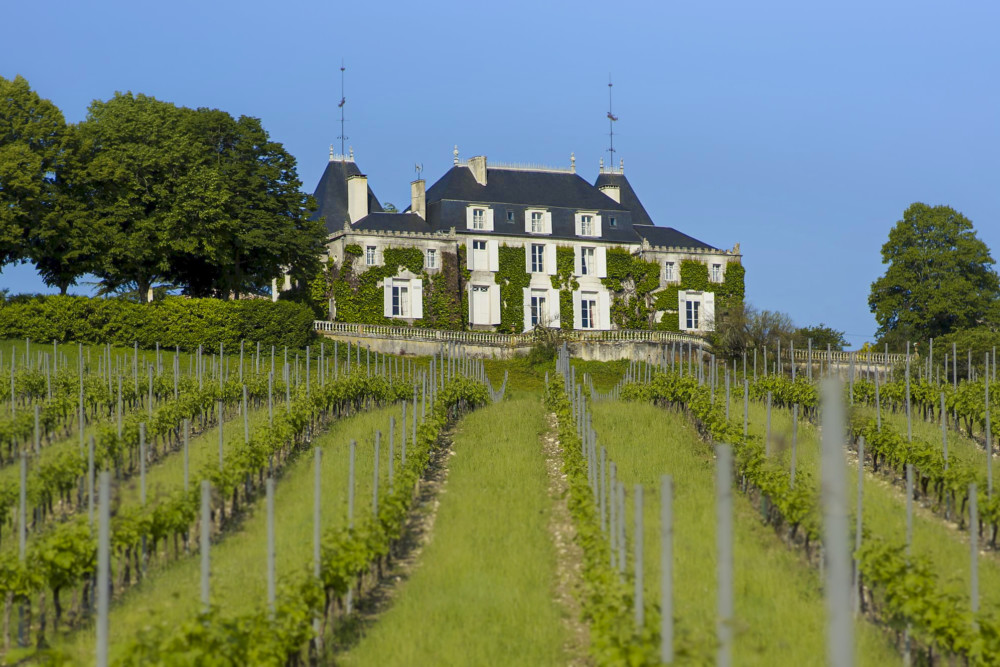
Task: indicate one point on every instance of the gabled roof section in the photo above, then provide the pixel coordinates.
(521, 187)
(669, 237)
(629, 199)
(331, 194)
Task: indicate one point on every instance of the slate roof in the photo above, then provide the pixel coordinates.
(515, 186)
(669, 237)
(393, 222)
(331, 194)
(628, 198)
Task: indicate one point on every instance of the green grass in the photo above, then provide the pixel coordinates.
(482, 593)
(239, 576)
(884, 507)
(780, 617)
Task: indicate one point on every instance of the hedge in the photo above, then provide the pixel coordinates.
(171, 322)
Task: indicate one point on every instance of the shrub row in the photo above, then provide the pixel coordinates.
(171, 322)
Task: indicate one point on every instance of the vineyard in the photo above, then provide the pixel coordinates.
(331, 505)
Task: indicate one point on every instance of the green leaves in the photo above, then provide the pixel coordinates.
(940, 277)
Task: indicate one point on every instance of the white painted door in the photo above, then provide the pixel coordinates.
(480, 304)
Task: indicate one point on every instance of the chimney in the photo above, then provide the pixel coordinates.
(478, 167)
(418, 198)
(357, 197)
(613, 191)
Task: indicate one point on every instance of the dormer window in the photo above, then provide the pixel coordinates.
(510, 215)
(537, 221)
(479, 218)
(613, 222)
(588, 223)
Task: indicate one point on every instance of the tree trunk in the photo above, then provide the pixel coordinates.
(41, 619)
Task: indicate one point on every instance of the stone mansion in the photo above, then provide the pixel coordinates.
(477, 208)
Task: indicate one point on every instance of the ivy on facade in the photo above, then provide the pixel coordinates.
(512, 277)
(566, 283)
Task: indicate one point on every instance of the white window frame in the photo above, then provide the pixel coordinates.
(482, 222)
(692, 315)
(716, 273)
(545, 218)
(589, 305)
(669, 272)
(371, 255)
(431, 258)
(594, 230)
(538, 306)
(588, 268)
(537, 258)
(401, 299)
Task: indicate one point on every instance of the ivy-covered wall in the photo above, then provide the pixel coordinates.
(566, 283)
(694, 276)
(512, 277)
(359, 297)
(630, 281)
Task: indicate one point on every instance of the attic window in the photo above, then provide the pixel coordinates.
(614, 222)
(510, 215)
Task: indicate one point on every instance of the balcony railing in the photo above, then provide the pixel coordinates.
(501, 339)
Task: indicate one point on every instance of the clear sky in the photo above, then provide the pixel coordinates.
(801, 130)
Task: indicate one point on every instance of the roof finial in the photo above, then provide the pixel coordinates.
(621, 165)
(352, 154)
(331, 152)
(572, 162)
(455, 153)
(602, 165)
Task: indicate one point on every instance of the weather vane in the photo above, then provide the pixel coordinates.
(418, 168)
(611, 123)
(343, 100)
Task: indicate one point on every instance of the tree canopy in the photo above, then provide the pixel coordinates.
(145, 193)
(940, 277)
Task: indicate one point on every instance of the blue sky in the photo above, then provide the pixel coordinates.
(800, 130)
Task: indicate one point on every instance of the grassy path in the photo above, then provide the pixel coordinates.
(779, 606)
(239, 575)
(482, 593)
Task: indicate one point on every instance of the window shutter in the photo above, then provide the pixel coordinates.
(468, 294)
(553, 307)
(550, 259)
(527, 221)
(489, 219)
(492, 249)
(708, 311)
(494, 304)
(576, 224)
(547, 222)
(601, 259)
(577, 311)
(682, 310)
(526, 295)
(417, 298)
(468, 255)
(604, 308)
(527, 257)
(597, 225)
(387, 297)
(468, 217)
(576, 261)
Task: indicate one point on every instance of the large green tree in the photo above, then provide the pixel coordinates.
(940, 277)
(195, 199)
(31, 134)
(245, 218)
